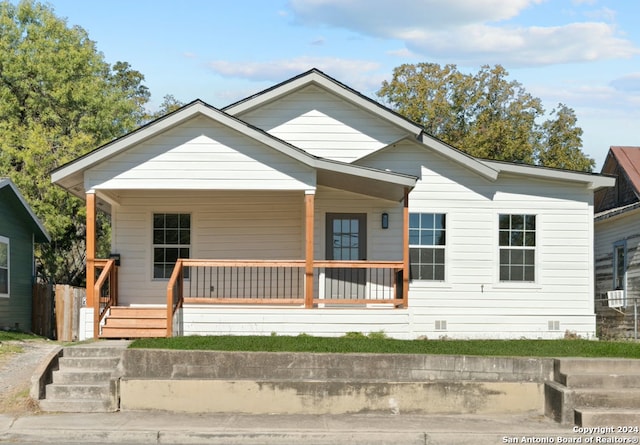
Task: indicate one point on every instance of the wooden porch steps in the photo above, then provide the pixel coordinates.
(135, 322)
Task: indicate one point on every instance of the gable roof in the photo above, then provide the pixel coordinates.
(317, 77)
(41, 233)
(71, 175)
(628, 159)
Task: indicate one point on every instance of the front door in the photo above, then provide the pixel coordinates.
(346, 240)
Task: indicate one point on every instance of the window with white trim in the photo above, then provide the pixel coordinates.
(427, 243)
(4, 266)
(517, 239)
(171, 240)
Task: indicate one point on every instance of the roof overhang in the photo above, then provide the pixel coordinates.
(363, 180)
(368, 181)
(41, 233)
(592, 181)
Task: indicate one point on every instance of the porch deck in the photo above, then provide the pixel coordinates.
(363, 284)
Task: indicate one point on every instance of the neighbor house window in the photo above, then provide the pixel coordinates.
(4, 266)
(517, 236)
(427, 241)
(171, 240)
(619, 265)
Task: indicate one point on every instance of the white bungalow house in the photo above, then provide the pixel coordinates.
(310, 208)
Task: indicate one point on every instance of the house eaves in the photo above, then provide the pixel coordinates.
(70, 176)
(317, 77)
(617, 212)
(42, 235)
(459, 157)
(593, 181)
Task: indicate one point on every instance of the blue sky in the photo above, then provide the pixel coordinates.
(583, 53)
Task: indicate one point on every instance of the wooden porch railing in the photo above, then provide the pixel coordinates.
(264, 282)
(105, 291)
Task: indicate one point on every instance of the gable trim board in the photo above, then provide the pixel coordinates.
(71, 176)
(317, 77)
(41, 233)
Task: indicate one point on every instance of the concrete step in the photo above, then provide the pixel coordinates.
(88, 377)
(108, 348)
(596, 366)
(99, 363)
(77, 406)
(606, 398)
(603, 381)
(66, 392)
(137, 312)
(593, 417)
(108, 332)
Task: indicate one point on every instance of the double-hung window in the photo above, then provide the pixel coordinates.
(4, 266)
(171, 240)
(427, 243)
(517, 239)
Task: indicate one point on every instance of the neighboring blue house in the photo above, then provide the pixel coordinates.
(20, 229)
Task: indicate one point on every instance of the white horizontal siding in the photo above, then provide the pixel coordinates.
(472, 292)
(324, 125)
(224, 225)
(395, 323)
(201, 154)
(620, 229)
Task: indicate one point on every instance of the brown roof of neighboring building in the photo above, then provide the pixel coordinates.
(629, 160)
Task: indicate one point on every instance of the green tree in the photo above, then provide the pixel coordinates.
(562, 140)
(59, 99)
(486, 115)
(169, 104)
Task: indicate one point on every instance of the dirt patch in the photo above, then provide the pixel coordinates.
(18, 362)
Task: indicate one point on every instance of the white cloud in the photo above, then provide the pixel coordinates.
(358, 74)
(532, 46)
(385, 18)
(630, 82)
(469, 32)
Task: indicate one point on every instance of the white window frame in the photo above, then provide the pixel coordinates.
(5, 240)
(523, 248)
(164, 245)
(442, 247)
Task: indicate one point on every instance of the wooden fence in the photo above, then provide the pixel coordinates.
(42, 321)
(69, 300)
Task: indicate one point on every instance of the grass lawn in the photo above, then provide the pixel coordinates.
(11, 335)
(376, 343)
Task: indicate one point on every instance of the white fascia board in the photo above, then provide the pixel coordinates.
(593, 181)
(6, 182)
(460, 157)
(332, 86)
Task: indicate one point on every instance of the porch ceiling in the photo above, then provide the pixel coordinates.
(389, 190)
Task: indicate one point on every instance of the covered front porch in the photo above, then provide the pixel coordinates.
(340, 250)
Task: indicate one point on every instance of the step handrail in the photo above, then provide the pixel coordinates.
(109, 272)
(175, 297)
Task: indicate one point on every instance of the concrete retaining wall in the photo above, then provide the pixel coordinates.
(258, 382)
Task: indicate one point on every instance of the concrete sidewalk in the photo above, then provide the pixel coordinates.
(358, 429)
